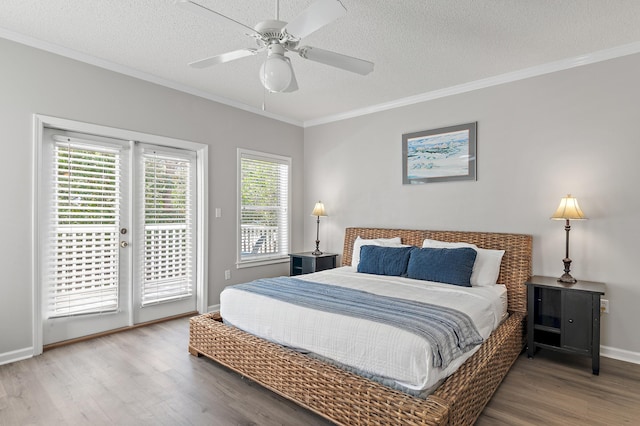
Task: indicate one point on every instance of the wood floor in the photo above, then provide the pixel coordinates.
(146, 377)
(559, 389)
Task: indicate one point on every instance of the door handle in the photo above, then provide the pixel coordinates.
(124, 244)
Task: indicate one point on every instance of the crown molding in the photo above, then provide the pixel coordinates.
(121, 69)
(551, 67)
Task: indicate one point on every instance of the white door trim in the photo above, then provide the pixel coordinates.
(39, 123)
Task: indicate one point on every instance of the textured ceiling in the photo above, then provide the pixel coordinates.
(418, 46)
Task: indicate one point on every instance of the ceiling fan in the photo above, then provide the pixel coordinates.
(278, 37)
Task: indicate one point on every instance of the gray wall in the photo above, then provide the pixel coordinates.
(574, 131)
(571, 131)
(33, 81)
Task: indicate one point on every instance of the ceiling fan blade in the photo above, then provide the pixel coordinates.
(338, 60)
(225, 57)
(293, 86)
(213, 15)
(316, 16)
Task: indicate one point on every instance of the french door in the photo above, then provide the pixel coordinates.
(119, 243)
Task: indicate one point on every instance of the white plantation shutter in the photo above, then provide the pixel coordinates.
(83, 262)
(167, 219)
(264, 206)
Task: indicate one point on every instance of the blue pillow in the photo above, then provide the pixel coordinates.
(382, 260)
(443, 265)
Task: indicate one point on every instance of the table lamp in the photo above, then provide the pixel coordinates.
(568, 210)
(318, 211)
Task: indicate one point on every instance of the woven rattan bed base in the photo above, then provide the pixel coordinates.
(348, 399)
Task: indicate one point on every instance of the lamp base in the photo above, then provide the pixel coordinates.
(567, 278)
(317, 251)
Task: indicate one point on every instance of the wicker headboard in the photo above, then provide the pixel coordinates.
(516, 262)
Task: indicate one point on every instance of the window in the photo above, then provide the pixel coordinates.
(84, 228)
(263, 206)
(167, 183)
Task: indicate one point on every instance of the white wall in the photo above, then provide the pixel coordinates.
(33, 81)
(574, 131)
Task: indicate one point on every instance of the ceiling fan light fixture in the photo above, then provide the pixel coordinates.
(276, 72)
(277, 37)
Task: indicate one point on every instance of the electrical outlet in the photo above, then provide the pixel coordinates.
(227, 274)
(604, 306)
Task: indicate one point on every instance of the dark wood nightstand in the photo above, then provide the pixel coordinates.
(306, 263)
(564, 317)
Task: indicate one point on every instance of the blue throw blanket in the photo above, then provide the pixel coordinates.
(449, 332)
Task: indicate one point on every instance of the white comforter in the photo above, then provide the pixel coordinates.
(378, 349)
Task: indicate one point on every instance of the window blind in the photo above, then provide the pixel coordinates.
(85, 219)
(167, 250)
(264, 206)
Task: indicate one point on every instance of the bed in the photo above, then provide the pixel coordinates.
(347, 398)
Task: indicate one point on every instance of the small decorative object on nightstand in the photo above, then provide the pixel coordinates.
(318, 210)
(308, 262)
(568, 209)
(564, 317)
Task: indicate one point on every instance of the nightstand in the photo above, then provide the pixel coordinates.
(564, 317)
(306, 263)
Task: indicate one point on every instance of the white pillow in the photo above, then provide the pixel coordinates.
(486, 268)
(359, 242)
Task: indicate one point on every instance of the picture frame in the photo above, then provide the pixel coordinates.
(439, 155)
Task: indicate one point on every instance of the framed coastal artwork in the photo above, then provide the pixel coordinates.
(439, 155)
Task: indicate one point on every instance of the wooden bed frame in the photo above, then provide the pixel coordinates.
(348, 399)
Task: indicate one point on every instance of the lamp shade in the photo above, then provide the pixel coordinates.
(276, 72)
(318, 210)
(568, 209)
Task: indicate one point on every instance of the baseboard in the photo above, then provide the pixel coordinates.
(213, 308)
(17, 355)
(620, 354)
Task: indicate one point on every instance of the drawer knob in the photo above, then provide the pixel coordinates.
(570, 320)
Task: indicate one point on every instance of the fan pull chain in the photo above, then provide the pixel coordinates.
(264, 93)
(264, 100)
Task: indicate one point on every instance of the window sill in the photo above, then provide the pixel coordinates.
(261, 262)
